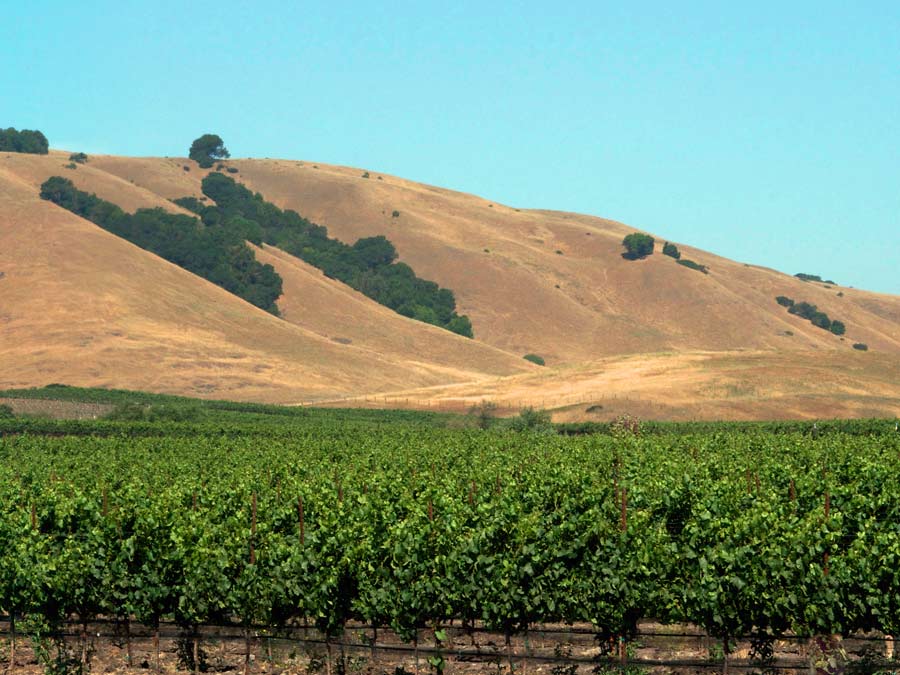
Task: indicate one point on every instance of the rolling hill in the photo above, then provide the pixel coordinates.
(83, 307)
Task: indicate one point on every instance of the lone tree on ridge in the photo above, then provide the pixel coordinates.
(207, 149)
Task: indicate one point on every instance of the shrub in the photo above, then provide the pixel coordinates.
(532, 420)
(232, 169)
(534, 358)
(173, 413)
(186, 167)
(838, 328)
(71, 165)
(637, 246)
(128, 412)
(78, 157)
(484, 414)
(395, 214)
(693, 265)
(861, 346)
(558, 252)
(6, 412)
(784, 301)
(671, 250)
(366, 174)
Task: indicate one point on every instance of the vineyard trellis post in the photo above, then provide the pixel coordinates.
(827, 515)
(623, 525)
(247, 631)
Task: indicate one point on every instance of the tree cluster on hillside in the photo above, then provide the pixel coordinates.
(215, 252)
(812, 314)
(813, 277)
(784, 301)
(26, 140)
(370, 265)
(693, 265)
(671, 250)
(637, 246)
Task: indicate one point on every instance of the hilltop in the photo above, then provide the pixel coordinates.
(84, 307)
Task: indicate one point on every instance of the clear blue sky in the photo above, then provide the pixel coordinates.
(768, 132)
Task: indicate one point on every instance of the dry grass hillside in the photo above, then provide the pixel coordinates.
(548, 282)
(541, 282)
(81, 306)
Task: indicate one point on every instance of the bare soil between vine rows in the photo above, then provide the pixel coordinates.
(548, 649)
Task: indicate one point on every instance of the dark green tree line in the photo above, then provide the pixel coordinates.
(370, 265)
(26, 140)
(216, 252)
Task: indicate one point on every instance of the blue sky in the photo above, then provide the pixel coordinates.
(768, 132)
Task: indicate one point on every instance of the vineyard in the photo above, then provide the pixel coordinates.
(422, 532)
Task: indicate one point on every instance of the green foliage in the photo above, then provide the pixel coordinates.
(861, 346)
(231, 169)
(71, 165)
(784, 301)
(409, 526)
(534, 358)
(207, 149)
(817, 318)
(366, 174)
(127, 412)
(484, 414)
(531, 420)
(224, 413)
(78, 157)
(130, 411)
(6, 412)
(395, 213)
(370, 265)
(637, 245)
(27, 141)
(693, 265)
(671, 250)
(217, 252)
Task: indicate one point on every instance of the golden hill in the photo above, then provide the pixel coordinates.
(84, 307)
(541, 282)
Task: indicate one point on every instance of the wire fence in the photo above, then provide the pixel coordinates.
(561, 650)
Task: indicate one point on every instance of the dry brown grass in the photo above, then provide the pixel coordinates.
(738, 385)
(83, 307)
